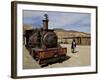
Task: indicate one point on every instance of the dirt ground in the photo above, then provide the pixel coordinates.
(80, 58)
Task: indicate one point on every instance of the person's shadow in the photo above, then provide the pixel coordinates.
(75, 51)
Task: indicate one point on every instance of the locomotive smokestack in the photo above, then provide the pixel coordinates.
(45, 22)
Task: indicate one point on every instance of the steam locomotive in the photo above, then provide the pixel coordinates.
(42, 44)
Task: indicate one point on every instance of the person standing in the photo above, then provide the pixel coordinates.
(73, 46)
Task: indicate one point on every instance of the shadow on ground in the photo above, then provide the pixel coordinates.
(56, 60)
(76, 52)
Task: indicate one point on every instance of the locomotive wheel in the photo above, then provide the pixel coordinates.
(36, 58)
(56, 55)
(38, 61)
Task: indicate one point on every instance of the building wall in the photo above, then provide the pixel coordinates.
(79, 40)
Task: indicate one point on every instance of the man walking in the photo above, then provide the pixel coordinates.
(73, 46)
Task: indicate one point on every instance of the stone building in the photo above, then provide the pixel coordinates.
(66, 37)
(86, 40)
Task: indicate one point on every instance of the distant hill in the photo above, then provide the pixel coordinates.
(27, 27)
(61, 33)
(70, 33)
(59, 29)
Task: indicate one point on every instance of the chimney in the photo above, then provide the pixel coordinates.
(45, 22)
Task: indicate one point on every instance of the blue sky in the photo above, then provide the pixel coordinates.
(66, 20)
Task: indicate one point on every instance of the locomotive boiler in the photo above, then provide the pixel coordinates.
(42, 44)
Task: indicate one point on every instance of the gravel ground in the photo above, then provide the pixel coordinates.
(80, 58)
